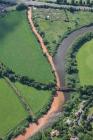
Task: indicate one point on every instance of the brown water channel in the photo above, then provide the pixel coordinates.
(59, 58)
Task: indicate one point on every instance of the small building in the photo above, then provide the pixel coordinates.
(79, 112)
(47, 17)
(69, 122)
(54, 133)
(74, 138)
(90, 118)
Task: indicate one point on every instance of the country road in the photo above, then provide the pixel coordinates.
(53, 5)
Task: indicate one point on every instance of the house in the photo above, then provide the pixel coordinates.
(54, 133)
(74, 138)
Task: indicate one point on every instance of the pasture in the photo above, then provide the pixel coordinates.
(85, 63)
(11, 110)
(20, 50)
(59, 23)
(37, 99)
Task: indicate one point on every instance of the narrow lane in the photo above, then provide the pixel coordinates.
(54, 5)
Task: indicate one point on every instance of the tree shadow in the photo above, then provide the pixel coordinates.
(8, 24)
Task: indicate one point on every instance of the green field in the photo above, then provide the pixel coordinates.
(20, 50)
(11, 110)
(56, 26)
(85, 63)
(37, 99)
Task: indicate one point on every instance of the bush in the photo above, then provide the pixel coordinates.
(21, 7)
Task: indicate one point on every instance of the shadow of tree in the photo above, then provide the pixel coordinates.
(8, 23)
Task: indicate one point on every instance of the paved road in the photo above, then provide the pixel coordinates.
(53, 5)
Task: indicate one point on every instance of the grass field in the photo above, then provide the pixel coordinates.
(56, 26)
(19, 49)
(85, 63)
(11, 110)
(37, 99)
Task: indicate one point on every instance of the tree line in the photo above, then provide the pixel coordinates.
(76, 2)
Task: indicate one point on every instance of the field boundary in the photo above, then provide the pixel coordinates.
(21, 98)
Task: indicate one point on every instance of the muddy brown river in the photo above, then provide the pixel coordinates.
(59, 58)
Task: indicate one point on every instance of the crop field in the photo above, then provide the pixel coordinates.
(37, 99)
(58, 23)
(85, 63)
(20, 50)
(11, 110)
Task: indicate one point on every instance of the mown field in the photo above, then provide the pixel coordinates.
(20, 50)
(58, 23)
(11, 110)
(37, 99)
(85, 63)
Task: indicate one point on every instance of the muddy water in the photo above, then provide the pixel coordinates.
(59, 58)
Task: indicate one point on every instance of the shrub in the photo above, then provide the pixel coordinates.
(21, 7)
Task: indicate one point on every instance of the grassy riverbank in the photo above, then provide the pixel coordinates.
(53, 24)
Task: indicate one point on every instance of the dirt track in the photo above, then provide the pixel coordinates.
(58, 99)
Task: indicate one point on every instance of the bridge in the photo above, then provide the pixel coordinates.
(67, 89)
